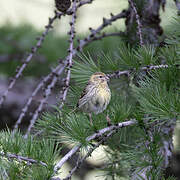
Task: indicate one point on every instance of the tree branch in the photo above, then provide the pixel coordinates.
(47, 94)
(139, 26)
(104, 35)
(89, 138)
(55, 78)
(22, 158)
(80, 161)
(106, 22)
(37, 46)
(117, 74)
(81, 3)
(70, 56)
(39, 86)
(34, 49)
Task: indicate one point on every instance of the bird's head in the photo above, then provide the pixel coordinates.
(99, 78)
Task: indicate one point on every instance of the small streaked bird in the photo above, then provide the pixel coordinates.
(96, 95)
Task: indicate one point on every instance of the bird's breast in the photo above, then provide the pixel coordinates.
(102, 98)
(102, 95)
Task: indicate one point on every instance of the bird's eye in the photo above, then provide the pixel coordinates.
(100, 76)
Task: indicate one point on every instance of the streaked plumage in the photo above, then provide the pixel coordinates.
(96, 95)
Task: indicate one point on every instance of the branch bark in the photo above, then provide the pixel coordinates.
(22, 158)
(80, 161)
(117, 74)
(93, 136)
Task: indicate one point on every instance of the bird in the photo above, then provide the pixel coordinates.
(96, 95)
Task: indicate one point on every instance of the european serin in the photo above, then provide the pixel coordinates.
(96, 95)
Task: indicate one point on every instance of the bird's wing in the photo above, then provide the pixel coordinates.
(86, 95)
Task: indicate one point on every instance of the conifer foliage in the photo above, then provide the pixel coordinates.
(144, 108)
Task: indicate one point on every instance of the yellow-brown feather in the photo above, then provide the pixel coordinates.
(96, 95)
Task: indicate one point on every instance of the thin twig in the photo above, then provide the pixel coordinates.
(40, 85)
(105, 23)
(104, 35)
(22, 158)
(81, 3)
(117, 74)
(139, 25)
(90, 151)
(149, 68)
(34, 49)
(46, 95)
(70, 56)
(89, 138)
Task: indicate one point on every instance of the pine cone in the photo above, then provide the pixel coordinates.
(62, 5)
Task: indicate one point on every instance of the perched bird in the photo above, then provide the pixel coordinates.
(96, 95)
